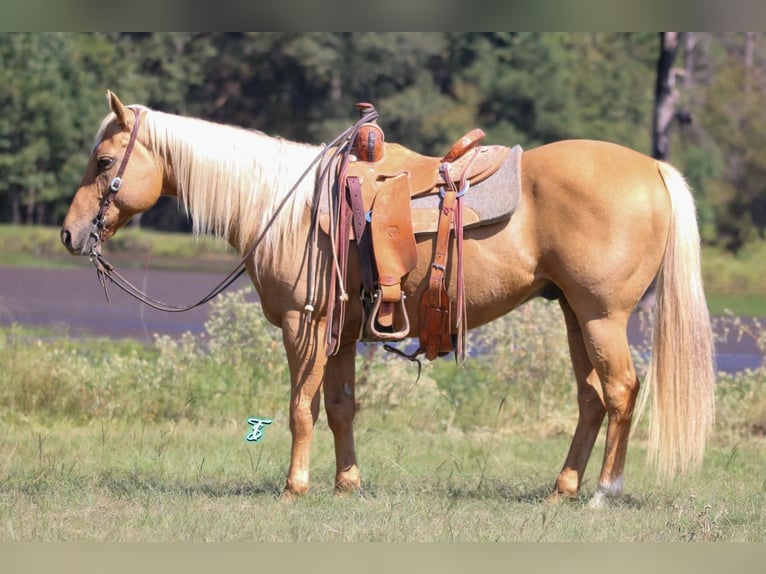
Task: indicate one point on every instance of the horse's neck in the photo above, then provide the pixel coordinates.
(242, 186)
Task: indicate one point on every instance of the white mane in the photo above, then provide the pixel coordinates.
(231, 180)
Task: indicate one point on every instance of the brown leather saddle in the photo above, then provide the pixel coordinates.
(379, 183)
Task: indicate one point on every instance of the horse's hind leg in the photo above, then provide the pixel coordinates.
(340, 405)
(591, 409)
(606, 341)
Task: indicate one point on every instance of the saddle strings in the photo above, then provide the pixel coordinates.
(105, 270)
(337, 163)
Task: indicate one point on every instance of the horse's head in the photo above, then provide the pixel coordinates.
(103, 203)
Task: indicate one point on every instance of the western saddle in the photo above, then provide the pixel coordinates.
(375, 183)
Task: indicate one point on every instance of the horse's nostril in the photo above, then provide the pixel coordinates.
(66, 238)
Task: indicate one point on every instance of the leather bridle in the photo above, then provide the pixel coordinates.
(99, 222)
(338, 147)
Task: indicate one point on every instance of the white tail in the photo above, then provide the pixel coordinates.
(681, 374)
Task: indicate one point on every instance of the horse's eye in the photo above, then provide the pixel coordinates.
(105, 163)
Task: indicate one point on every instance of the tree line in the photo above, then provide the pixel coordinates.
(430, 88)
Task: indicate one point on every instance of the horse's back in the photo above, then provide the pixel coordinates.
(588, 161)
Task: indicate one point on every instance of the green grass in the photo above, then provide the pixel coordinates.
(119, 441)
(744, 305)
(190, 482)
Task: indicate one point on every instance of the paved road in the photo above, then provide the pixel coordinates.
(74, 300)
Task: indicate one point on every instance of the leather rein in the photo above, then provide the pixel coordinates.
(106, 271)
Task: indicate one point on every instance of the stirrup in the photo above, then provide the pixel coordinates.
(387, 335)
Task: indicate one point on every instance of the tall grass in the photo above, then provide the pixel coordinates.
(741, 397)
(516, 379)
(236, 365)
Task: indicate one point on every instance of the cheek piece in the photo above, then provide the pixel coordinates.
(99, 222)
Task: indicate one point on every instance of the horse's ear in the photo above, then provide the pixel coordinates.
(118, 108)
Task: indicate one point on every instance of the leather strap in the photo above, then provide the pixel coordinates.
(460, 294)
(116, 183)
(435, 323)
(336, 305)
(362, 234)
(439, 264)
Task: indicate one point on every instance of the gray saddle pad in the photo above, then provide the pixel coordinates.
(492, 200)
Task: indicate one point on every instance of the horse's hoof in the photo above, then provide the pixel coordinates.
(290, 495)
(348, 489)
(598, 500)
(612, 491)
(554, 498)
(557, 497)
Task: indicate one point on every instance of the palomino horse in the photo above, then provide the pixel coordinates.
(596, 223)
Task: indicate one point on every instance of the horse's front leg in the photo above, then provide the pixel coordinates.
(306, 359)
(340, 405)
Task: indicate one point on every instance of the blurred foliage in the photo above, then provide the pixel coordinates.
(430, 88)
(236, 366)
(517, 379)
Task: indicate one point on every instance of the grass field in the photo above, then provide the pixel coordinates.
(118, 441)
(195, 482)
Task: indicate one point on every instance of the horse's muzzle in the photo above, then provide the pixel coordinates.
(79, 244)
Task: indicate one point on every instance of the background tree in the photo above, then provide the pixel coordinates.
(666, 94)
(719, 147)
(430, 88)
(35, 122)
